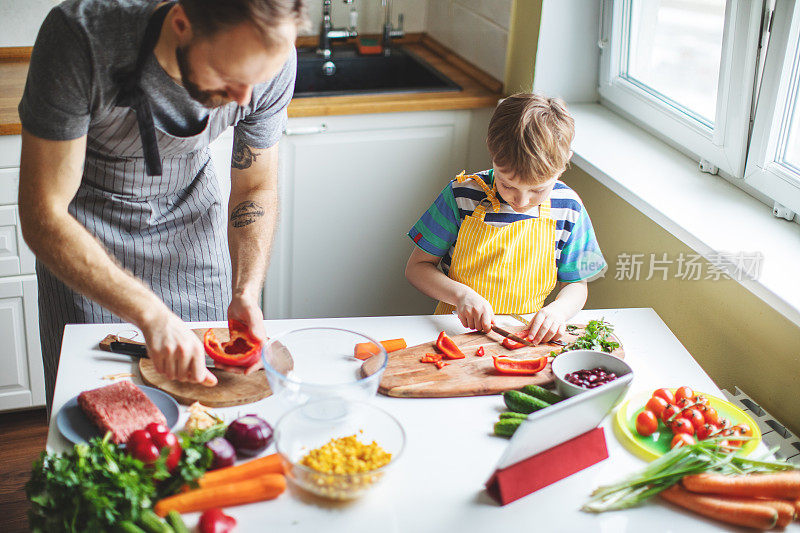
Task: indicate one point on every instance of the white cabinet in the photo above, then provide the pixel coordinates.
(350, 189)
(21, 371)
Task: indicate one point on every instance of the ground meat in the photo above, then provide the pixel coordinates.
(121, 408)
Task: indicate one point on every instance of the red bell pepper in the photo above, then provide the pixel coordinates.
(241, 350)
(448, 348)
(146, 445)
(480, 352)
(441, 364)
(511, 345)
(431, 358)
(215, 521)
(527, 367)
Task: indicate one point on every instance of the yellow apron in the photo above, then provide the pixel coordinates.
(513, 266)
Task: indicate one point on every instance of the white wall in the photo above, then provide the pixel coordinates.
(20, 20)
(477, 30)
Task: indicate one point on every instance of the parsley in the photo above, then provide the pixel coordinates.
(595, 337)
(90, 488)
(196, 459)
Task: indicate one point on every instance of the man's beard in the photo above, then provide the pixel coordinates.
(209, 99)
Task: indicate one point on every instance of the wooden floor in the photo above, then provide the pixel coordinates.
(22, 438)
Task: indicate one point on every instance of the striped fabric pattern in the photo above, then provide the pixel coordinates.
(577, 253)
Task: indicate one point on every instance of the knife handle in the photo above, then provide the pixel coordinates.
(129, 348)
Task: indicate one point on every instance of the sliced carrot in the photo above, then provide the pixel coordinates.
(269, 464)
(780, 485)
(365, 350)
(741, 514)
(266, 487)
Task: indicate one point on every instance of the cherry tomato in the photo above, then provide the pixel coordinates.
(724, 423)
(141, 445)
(744, 429)
(669, 411)
(683, 403)
(710, 415)
(646, 423)
(666, 394)
(681, 439)
(657, 405)
(706, 430)
(682, 425)
(684, 392)
(699, 398)
(695, 417)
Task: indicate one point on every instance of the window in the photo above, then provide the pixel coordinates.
(773, 162)
(685, 71)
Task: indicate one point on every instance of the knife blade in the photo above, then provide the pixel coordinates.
(509, 335)
(134, 349)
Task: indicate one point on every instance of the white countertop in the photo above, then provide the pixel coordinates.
(438, 482)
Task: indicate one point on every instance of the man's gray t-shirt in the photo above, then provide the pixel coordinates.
(83, 45)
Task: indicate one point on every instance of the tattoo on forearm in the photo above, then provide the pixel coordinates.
(246, 213)
(243, 157)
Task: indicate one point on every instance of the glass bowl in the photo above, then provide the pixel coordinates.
(310, 426)
(314, 363)
(569, 362)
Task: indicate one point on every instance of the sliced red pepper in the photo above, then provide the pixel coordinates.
(441, 364)
(448, 347)
(241, 350)
(480, 352)
(511, 345)
(431, 358)
(507, 365)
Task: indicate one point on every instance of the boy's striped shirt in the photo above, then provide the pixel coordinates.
(578, 255)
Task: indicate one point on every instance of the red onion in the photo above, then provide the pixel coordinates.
(249, 434)
(223, 452)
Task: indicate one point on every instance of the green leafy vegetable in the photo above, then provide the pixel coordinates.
(90, 488)
(595, 337)
(704, 456)
(195, 461)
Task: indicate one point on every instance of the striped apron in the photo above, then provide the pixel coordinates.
(168, 230)
(513, 266)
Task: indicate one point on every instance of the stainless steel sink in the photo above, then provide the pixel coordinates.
(347, 72)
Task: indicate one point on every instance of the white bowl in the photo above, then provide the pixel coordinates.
(569, 362)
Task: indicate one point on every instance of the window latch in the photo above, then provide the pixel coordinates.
(781, 211)
(708, 167)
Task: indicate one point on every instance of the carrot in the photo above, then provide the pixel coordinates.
(257, 489)
(269, 464)
(365, 350)
(797, 509)
(784, 508)
(781, 485)
(741, 514)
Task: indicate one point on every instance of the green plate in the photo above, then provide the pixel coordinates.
(657, 444)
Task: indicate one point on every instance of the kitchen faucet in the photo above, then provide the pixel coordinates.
(328, 33)
(390, 32)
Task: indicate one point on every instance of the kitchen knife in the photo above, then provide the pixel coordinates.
(511, 336)
(140, 350)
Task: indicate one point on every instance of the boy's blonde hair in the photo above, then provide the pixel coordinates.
(530, 137)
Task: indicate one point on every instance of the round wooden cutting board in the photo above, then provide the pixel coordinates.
(232, 389)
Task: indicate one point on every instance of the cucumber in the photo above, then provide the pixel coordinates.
(523, 403)
(176, 521)
(511, 414)
(506, 427)
(129, 527)
(151, 522)
(540, 392)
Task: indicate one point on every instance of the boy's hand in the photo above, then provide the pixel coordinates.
(546, 325)
(475, 312)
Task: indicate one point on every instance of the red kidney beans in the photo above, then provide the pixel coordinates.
(590, 379)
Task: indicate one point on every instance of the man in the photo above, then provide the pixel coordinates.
(118, 197)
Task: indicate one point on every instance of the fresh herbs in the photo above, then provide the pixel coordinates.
(98, 486)
(596, 336)
(90, 488)
(704, 456)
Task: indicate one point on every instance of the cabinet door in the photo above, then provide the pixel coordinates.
(351, 187)
(21, 378)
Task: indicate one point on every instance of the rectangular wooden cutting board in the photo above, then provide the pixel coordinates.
(407, 377)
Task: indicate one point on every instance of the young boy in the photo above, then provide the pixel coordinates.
(505, 236)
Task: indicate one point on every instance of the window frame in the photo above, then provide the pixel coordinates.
(723, 145)
(779, 92)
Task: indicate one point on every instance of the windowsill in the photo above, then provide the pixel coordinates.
(704, 211)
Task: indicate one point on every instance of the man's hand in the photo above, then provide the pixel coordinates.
(546, 325)
(176, 351)
(474, 311)
(247, 311)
